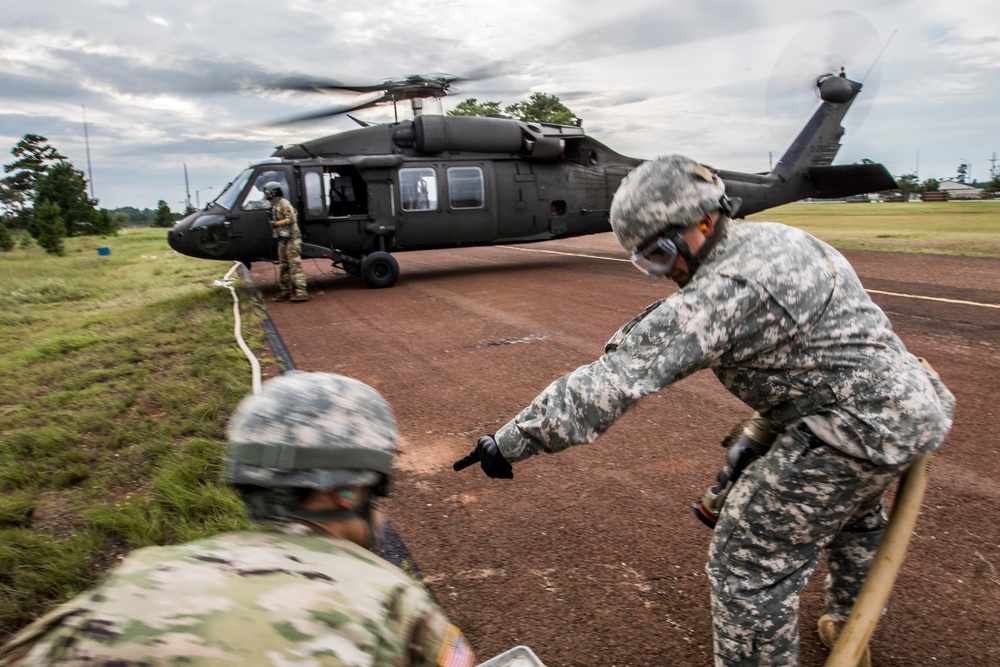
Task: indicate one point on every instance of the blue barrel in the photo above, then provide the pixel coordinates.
(103, 252)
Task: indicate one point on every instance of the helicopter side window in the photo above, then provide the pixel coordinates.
(465, 187)
(255, 199)
(418, 189)
(348, 194)
(315, 195)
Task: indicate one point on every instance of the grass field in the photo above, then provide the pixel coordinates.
(949, 228)
(118, 374)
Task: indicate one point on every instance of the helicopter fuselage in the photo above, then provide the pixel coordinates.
(434, 182)
(454, 181)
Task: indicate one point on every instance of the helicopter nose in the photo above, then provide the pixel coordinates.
(178, 236)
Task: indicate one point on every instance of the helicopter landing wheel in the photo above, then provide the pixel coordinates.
(379, 269)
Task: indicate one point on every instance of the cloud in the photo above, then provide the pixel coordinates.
(188, 83)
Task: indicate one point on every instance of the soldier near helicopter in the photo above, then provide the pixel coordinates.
(310, 455)
(783, 321)
(285, 228)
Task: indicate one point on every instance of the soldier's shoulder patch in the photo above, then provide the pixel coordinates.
(704, 173)
(455, 651)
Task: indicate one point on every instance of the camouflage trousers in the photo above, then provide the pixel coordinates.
(802, 498)
(291, 276)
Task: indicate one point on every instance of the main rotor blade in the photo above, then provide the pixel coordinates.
(309, 84)
(326, 113)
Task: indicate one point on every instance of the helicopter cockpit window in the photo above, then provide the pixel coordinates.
(233, 190)
(255, 199)
(418, 189)
(465, 187)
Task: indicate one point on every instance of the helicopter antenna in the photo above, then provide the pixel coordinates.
(879, 56)
(360, 122)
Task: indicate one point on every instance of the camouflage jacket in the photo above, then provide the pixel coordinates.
(281, 210)
(778, 316)
(252, 598)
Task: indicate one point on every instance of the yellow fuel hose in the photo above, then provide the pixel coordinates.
(885, 567)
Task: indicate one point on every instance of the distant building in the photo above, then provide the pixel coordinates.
(958, 190)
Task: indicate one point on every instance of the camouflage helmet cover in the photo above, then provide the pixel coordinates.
(672, 191)
(314, 431)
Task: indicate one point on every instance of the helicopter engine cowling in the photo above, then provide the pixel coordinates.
(476, 134)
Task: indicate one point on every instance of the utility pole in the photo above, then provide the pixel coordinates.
(993, 167)
(86, 141)
(187, 188)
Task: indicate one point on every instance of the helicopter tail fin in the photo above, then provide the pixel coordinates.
(806, 170)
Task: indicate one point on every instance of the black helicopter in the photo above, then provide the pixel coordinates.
(456, 181)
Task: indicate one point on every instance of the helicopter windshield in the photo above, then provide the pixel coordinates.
(229, 195)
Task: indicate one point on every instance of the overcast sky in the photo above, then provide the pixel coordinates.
(161, 84)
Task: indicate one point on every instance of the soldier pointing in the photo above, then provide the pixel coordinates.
(310, 455)
(783, 321)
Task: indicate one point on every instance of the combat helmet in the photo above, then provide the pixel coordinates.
(272, 189)
(308, 431)
(670, 192)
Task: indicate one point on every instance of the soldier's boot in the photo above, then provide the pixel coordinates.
(829, 630)
(281, 297)
(300, 297)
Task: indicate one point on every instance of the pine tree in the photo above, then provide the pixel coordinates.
(164, 218)
(51, 228)
(66, 186)
(33, 156)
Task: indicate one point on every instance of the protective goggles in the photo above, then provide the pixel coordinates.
(658, 258)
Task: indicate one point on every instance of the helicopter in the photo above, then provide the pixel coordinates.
(437, 181)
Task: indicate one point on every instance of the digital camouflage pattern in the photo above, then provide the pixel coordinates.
(673, 191)
(253, 598)
(291, 277)
(780, 317)
(803, 497)
(307, 430)
(777, 315)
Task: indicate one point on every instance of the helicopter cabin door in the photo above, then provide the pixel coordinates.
(337, 195)
(441, 205)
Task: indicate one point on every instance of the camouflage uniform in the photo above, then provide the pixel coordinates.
(783, 321)
(284, 594)
(253, 598)
(289, 237)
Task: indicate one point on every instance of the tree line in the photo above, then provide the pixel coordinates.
(43, 199)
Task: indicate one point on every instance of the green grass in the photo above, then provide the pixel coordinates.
(117, 377)
(969, 228)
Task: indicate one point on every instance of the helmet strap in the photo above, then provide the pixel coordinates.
(694, 260)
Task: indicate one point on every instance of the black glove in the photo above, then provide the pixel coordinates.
(490, 459)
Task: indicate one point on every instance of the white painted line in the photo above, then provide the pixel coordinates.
(568, 254)
(870, 291)
(934, 298)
